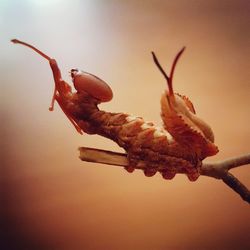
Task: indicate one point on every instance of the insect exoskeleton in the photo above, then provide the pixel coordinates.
(178, 147)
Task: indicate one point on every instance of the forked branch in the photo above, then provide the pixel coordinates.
(218, 170)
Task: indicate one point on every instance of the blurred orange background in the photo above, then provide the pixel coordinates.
(52, 200)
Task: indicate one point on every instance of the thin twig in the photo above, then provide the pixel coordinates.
(218, 170)
(237, 186)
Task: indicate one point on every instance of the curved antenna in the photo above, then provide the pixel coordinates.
(159, 66)
(174, 63)
(32, 47)
(168, 78)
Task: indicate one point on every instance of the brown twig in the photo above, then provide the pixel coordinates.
(218, 170)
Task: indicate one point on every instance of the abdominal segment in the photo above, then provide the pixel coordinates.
(149, 147)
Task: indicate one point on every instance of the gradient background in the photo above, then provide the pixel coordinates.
(52, 200)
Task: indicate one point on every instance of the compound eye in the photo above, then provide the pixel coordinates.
(91, 84)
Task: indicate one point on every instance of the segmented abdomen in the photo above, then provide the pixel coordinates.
(149, 147)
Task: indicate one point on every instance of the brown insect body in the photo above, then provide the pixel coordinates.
(143, 141)
(179, 148)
